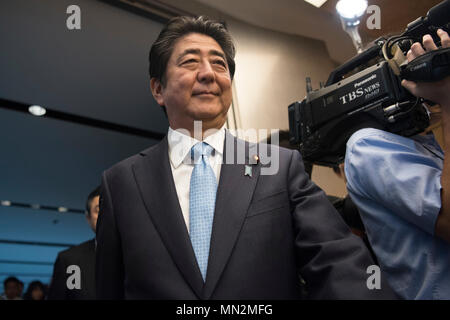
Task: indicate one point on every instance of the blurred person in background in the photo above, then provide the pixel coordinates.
(82, 256)
(36, 291)
(11, 289)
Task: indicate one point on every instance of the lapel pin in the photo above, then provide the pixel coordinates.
(254, 159)
(248, 170)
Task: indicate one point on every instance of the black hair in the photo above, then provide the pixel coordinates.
(91, 196)
(33, 285)
(11, 279)
(178, 27)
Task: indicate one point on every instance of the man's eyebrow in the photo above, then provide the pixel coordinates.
(186, 52)
(217, 53)
(197, 51)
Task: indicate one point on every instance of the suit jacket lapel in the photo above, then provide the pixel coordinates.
(155, 180)
(234, 194)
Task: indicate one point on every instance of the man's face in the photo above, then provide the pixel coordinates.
(12, 290)
(92, 218)
(198, 83)
(37, 294)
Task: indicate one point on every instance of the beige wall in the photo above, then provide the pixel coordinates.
(271, 68)
(326, 179)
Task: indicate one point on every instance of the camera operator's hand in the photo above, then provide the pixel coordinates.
(438, 91)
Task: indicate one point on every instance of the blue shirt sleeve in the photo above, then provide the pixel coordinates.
(398, 173)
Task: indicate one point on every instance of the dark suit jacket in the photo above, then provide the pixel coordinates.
(82, 255)
(267, 230)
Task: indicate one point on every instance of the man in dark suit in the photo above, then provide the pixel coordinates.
(82, 256)
(203, 215)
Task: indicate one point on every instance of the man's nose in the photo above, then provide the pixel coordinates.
(205, 72)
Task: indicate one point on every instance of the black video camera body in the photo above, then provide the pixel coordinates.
(326, 119)
(323, 122)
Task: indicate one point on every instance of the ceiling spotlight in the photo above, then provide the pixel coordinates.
(350, 12)
(62, 209)
(351, 9)
(6, 203)
(37, 110)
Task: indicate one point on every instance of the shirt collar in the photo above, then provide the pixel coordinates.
(180, 144)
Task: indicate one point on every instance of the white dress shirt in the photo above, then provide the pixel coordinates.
(180, 161)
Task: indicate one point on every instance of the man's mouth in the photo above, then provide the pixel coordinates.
(205, 93)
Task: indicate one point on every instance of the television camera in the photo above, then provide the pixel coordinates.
(366, 92)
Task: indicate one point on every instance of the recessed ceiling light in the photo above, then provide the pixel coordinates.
(62, 209)
(317, 3)
(6, 203)
(37, 110)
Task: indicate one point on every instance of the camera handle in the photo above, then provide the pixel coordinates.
(429, 67)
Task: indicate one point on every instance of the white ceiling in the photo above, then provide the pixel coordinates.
(301, 18)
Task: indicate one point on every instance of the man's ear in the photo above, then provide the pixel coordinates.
(156, 87)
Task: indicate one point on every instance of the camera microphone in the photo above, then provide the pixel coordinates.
(436, 16)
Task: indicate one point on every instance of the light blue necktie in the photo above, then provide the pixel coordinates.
(202, 199)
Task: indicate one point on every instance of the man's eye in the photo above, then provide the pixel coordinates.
(221, 62)
(189, 61)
